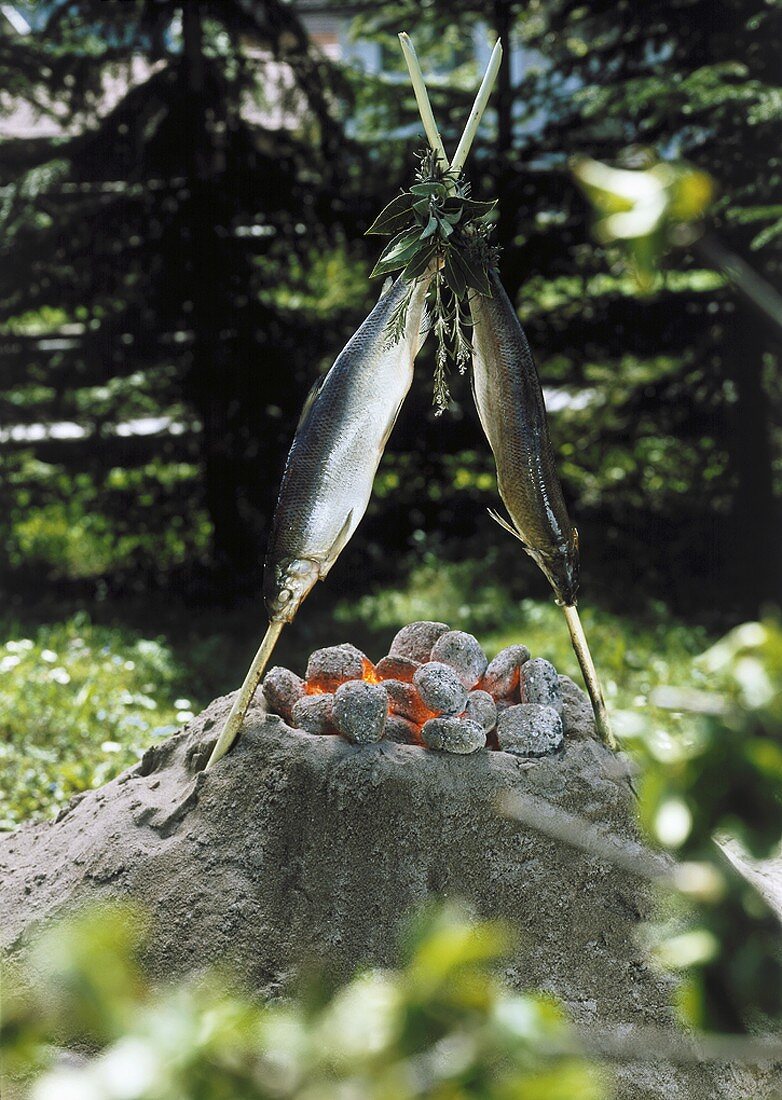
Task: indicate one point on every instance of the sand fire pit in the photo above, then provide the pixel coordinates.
(435, 689)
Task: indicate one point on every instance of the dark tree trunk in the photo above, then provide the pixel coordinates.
(757, 543)
(213, 376)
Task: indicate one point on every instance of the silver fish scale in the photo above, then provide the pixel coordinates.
(513, 415)
(340, 440)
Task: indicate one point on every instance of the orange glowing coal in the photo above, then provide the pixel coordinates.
(313, 689)
(369, 673)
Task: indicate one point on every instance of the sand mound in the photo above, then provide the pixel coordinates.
(297, 846)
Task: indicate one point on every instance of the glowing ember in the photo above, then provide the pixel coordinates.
(420, 695)
(368, 672)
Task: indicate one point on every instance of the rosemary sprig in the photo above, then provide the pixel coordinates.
(437, 224)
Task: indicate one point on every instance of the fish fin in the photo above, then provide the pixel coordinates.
(309, 400)
(339, 544)
(506, 526)
(388, 283)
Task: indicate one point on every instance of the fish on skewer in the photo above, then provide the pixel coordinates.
(512, 412)
(332, 463)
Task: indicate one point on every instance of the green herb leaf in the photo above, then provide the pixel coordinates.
(478, 209)
(428, 189)
(453, 274)
(476, 276)
(420, 262)
(394, 217)
(397, 253)
(431, 227)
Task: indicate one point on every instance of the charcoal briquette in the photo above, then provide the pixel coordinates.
(540, 684)
(463, 653)
(440, 688)
(416, 640)
(282, 689)
(360, 710)
(449, 734)
(328, 668)
(501, 678)
(397, 668)
(530, 729)
(404, 700)
(315, 714)
(481, 708)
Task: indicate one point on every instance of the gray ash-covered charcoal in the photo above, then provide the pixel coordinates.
(540, 684)
(530, 729)
(481, 708)
(440, 688)
(577, 714)
(402, 731)
(416, 640)
(449, 734)
(315, 714)
(360, 710)
(404, 700)
(328, 668)
(463, 653)
(397, 668)
(282, 690)
(501, 677)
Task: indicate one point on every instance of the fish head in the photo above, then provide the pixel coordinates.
(286, 584)
(561, 565)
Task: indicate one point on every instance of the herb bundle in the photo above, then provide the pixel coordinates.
(437, 224)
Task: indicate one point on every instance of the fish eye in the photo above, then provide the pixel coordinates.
(285, 595)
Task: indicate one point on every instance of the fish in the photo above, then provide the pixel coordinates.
(339, 442)
(327, 482)
(509, 399)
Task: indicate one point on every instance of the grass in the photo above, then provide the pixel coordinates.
(80, 700)
(78, 704)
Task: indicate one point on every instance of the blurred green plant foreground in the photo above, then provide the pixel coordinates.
(441, 1027)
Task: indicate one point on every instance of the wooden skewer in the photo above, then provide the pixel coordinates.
(588, 671)
(422, 99)
(245, 694)
(425, 107)
(478, 107)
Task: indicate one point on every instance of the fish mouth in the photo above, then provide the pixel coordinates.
(292, 581)
(560, 565)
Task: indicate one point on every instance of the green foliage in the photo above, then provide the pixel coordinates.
(645, 209)
(78, 704)
(146, 239)
(440, 1027)
(728, 767)
(712, 770)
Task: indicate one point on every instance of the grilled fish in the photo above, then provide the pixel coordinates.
(510, 405)
(339, 442)
(332, 463)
